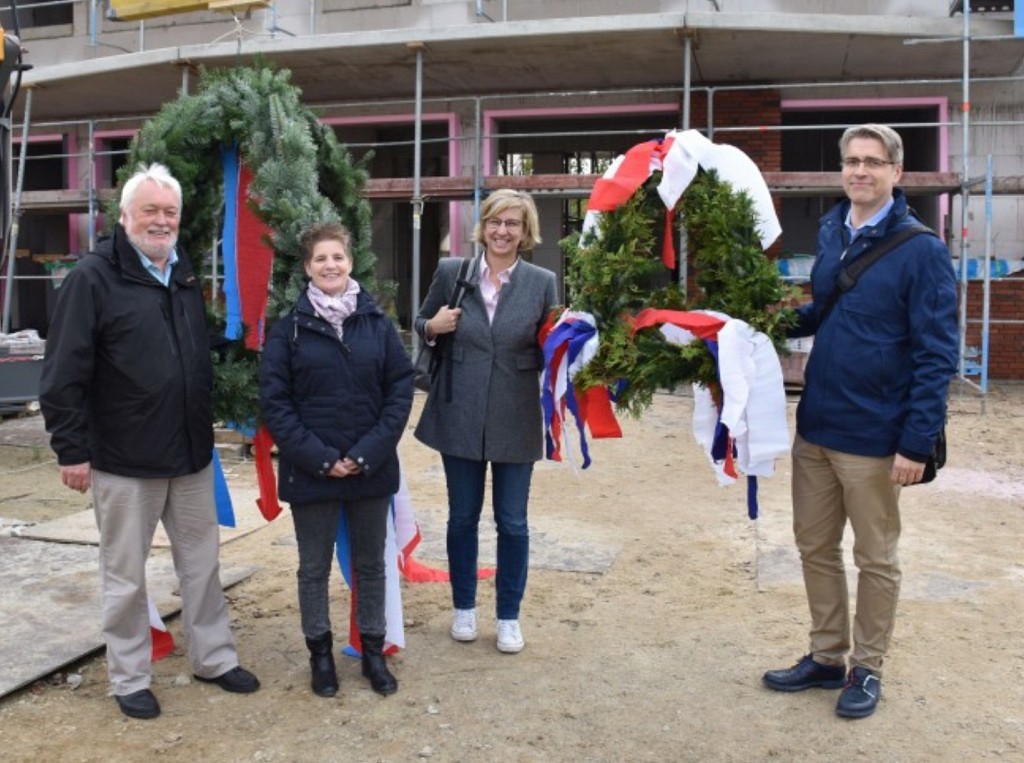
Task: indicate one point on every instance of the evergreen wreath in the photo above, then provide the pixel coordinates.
(301, 175)
(616, 271)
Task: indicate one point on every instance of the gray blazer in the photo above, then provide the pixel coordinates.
(495, 413)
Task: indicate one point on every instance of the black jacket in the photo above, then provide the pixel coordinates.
(127, 379)
(323, 399)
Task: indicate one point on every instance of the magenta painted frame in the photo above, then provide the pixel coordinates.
(940, 103)
(454, 157)
(71, 164)
(97, 141)
(491, 117)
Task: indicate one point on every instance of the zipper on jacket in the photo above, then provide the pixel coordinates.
(169, 327)
(167, 307)
(188, 324)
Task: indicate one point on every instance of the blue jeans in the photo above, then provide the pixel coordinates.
(510, 492)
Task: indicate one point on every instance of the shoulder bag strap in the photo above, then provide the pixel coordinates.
(459, 291)
(849, 274)
(462, 284)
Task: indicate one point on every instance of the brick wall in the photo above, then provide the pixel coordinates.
(1005, 340)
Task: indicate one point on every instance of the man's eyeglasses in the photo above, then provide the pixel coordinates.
(871, 162)
(510, 225)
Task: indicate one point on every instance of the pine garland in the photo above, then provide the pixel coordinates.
(302, 175)
(618, 271)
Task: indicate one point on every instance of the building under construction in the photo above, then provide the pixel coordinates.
(457, 97)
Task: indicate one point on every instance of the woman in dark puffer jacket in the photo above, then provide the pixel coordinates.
(336, 390)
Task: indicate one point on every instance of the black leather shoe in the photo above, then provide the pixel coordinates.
(237, 680)
(806, 674)
(860, 697)
(138, 704)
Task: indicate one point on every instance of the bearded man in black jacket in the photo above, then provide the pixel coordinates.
(126, 394)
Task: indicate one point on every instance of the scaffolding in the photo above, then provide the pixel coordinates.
(462, 188)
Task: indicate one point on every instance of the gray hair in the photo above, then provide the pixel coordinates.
(155, 172)
(887, 136)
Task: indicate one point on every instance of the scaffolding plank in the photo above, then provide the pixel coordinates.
(65, 201)
(779, 183)
(461, 188)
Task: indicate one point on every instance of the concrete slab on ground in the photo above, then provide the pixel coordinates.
(50, 604)
(80, 527)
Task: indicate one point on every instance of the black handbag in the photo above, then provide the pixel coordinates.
(936, 460)
(430, 358)
(424, 367)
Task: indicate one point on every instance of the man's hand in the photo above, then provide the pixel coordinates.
(905, 471)
(77, 476)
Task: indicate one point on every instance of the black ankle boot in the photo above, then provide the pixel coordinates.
(374, 666)
(324, 681)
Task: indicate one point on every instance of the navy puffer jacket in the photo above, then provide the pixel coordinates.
(324, 399)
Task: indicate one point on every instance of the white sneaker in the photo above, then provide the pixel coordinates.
(510, 637)
(464, 625)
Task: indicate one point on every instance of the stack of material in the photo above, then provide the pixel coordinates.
(21, 363)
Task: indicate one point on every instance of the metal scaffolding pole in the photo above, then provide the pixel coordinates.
(684, 244)
(12, 238)
(965, 121)
(417, 199)
(91, 151)
(987, 278)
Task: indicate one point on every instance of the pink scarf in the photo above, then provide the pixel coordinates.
(335, 309)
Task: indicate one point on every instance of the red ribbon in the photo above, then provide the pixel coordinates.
(254, 261)
(701, 325)
(262, 442)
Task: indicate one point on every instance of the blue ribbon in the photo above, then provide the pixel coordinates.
(234, 327)
(221, 495)
(576, 334)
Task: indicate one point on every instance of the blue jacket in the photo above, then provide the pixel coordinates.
(323, 399)
(879, 369)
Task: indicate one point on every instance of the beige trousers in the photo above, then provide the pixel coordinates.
(830, 489)
(127, 510)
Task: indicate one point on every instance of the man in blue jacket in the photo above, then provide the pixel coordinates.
(126, 392)
(873, 404)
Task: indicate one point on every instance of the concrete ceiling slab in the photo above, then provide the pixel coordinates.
(619, 52)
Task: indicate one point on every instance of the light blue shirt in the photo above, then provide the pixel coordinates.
(875, 219)
(164, 276)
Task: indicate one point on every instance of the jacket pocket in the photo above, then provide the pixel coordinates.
(528, 361)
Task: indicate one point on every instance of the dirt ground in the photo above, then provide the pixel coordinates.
(654, 654)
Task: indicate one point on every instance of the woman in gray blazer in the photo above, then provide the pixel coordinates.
(484, 404)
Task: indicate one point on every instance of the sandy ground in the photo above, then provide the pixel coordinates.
(653, 607)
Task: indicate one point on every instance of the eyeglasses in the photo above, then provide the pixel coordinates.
(493, 223)
(871, 162)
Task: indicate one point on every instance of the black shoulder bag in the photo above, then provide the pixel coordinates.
(431, 358)
(847, 279)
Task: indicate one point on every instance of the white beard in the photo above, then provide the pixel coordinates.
(156, 251)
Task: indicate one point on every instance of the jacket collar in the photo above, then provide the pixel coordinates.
(898, 215)
(118, 250)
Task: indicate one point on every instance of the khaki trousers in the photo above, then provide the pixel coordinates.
(829, 489)
(127, 510)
